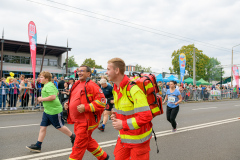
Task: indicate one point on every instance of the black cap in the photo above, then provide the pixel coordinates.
(71, 79)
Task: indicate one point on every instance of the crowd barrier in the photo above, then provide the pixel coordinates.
(13, 100)
(10, 100)
(206, 95)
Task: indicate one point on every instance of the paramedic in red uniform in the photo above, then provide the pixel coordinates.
(133, 120)
(84, 115)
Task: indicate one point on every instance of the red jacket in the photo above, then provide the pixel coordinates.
(95, 107)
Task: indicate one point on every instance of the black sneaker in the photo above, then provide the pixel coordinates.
(34, 148)
(107, 157)
(101, 128)
(72, 138)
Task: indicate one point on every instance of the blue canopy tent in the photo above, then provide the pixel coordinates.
(172, 78)
(159, 78)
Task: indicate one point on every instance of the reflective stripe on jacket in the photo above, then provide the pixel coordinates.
(137, 126)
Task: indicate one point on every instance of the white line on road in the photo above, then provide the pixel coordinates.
(26, 125)
(67, 151)
(204, 108)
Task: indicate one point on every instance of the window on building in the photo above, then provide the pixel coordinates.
(126, 68)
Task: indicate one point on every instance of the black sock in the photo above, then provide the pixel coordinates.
(39, 144)
(72, 136)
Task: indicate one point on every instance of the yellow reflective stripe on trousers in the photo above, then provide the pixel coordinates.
(72, 159)
(89, 95)
(92, 127)
(96, 150)
(99, 154)
(136, 139)
(132, 123)
(156, 109)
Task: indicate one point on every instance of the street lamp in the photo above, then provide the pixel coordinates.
(232, 63)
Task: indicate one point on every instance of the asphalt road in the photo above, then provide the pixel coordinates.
(207, 131)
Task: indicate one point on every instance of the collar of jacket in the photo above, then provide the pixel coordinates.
(123, 83)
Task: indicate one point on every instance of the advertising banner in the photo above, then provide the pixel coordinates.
(32, 35)
(182, 64)
(236, 75)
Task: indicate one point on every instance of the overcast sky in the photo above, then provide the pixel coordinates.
(214, 22)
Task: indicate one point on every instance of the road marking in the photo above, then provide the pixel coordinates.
(26, 125)
(67, 151)
(236, 105)
(204, 108)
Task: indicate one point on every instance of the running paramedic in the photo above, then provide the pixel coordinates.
(52, 114)
(132, 120)
(85, 114)
(173, 97)
(107, 91)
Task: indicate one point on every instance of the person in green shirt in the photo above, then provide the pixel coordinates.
(52, 114)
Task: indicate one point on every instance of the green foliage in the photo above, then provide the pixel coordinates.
(204, 65)
(139, 68)
(71, 62)
(91, 63)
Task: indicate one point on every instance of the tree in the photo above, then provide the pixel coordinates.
(139, 68)
(91, 63)
(213, 72)
(71, 62)
(204, 65)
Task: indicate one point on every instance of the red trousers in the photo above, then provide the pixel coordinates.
(83, 142)
(141, 152)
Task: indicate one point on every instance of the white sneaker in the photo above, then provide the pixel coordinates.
(11, 108)
(5, 109)
(0, 109)
(15, 108)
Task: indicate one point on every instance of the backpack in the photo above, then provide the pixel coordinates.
(147, 83)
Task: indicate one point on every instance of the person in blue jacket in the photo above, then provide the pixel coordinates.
(14, 92)
(4, 90)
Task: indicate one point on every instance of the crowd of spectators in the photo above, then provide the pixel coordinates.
(201, 92)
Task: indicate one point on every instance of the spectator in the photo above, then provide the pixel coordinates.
(22, 77)
(14, 91)
(32, 92)
(167, 86)
(94, 72)
(194, 90)
(164, 91)
(61, 83)
(71, 82)
(55, 82)
(65, 92)
(4, 89)
(25, 92)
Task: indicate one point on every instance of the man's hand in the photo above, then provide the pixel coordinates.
(66, 106)
(113, 116)
(112, 101)
(40, 99)
(81, 108)
(117, 124)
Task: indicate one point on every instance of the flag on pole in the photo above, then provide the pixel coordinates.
(32, 34)
(236, 75)
(182, 64)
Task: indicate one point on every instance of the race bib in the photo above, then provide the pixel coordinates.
(171, 99)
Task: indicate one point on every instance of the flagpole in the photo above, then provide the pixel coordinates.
(45, 46)
(2, 41)
(67, 60)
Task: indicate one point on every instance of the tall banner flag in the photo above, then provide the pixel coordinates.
(32, 34)
(236, 75)
(182, 64)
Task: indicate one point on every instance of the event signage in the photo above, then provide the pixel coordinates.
(236, 74)
(182, 64)
(32, 35)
